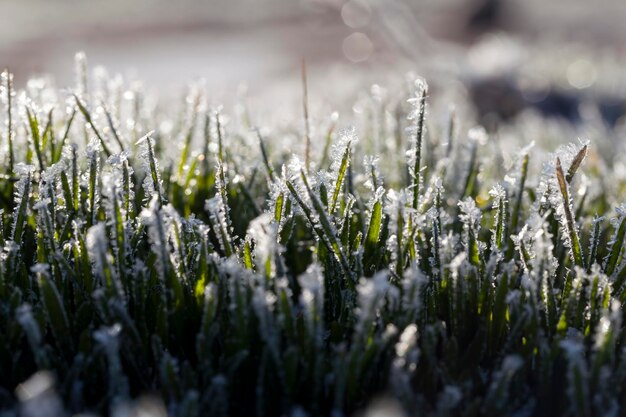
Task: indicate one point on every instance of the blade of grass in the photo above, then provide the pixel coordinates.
(266, 162)
(417, 143)
(112, 126)
(578, 159)
(345, 161)
(7, 78)
(569, 219)
(34, 130)
(373, 235)
(88, 119)
(616, 248)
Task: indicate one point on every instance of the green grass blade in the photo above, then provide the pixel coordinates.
(578, 159)
(616, 248)
(569, 219)
(345, 161)
(371, 243)
(87, 116)
(55, 311)
(266, 162)
(34, 131)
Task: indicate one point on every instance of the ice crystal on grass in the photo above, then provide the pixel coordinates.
(470, 214)
(372, 171)
(396, 211)
(152, 182)
(617, 240)
(21, 197)
(499, 204)
(151, 216)
(312, 297)
(346, 138)
(264, 234)
(471, 218)
(102, 261)
(609, 328)
(412, 287)
(372, 293)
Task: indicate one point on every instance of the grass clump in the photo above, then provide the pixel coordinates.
(225, 277)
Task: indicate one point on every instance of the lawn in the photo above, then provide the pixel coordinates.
(187, 258)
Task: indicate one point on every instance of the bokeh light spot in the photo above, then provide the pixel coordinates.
(356, 13)
(581, 74)
(357, 47)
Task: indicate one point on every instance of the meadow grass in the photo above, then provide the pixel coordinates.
(181, 253)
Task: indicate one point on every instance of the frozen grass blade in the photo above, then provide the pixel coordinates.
(75, 183)
(98, 253)
(471, 219)
(500, 203)
(223, 217)
(7, 80)
(112, 126)
(418, 114)
(616, 247)
(153, 183)
(93, 188)
(322, 226)
(345, 161)
(34, 131)
(87, 116)
(126, 187)
(48, 137)
(266, 162)
(247, 255)
(22, 197)
(328, 230)
(594, 242)
(372, 239)
(120, 237)
(189, 136)
(66, 132)
(220, 140)
(67, 193)
(476, 135)
(520, 194)
(578, 159)
(569, 219)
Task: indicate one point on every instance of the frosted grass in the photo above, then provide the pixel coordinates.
(206, 264)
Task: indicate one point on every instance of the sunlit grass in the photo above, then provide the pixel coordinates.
(203, 264)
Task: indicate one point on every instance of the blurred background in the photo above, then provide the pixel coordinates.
(551, 55)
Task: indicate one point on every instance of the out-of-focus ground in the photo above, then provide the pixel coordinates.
(566, 43)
